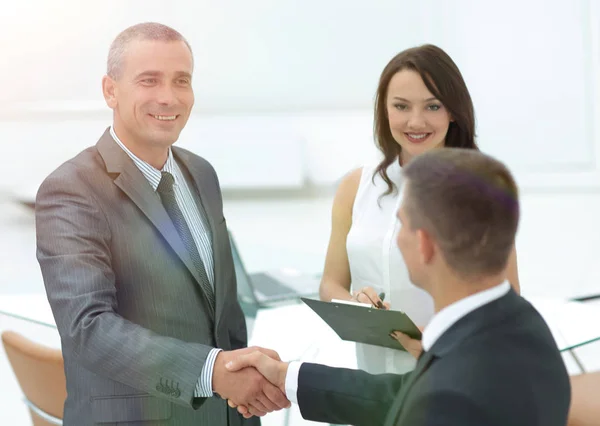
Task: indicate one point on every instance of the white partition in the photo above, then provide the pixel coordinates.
(285, 88)
(533, 69)
(247, 152)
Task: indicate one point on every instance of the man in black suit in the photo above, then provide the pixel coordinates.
(489, 358)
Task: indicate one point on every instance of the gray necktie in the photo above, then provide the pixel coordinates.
(167, 195)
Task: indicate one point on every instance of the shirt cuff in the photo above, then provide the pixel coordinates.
(204, 383)
(291, 381)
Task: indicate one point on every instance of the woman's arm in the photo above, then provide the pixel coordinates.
(335, 283)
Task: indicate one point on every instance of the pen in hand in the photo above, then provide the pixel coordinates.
(380, 304)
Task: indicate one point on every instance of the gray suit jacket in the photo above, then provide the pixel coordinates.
(125, 294)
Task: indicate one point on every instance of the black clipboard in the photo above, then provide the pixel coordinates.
(365, 325)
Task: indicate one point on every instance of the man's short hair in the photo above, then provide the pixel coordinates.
(469, 203)
(143, 31)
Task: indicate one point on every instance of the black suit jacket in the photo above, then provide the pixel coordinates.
(498, 365)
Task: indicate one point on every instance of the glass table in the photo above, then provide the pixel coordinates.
(297, 333)
(573, 324)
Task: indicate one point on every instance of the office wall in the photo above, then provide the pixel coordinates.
(285, 90)
(290, 84)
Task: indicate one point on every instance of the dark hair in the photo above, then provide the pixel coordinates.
(469, 203)
(444, 80)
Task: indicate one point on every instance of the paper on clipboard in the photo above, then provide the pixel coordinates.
(351, 302)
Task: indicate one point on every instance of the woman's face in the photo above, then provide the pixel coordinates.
(418, 121)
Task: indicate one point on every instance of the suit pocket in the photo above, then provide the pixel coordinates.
(130, 408)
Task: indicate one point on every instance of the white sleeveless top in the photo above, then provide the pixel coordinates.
(375, 261)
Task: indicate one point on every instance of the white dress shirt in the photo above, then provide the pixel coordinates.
(200, 233)
(438, 325)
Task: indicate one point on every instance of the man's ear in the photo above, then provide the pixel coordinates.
(109, 91)
(426, 246)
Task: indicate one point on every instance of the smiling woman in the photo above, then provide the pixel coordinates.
(422, 103)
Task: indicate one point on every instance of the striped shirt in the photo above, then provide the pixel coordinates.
(200, 232)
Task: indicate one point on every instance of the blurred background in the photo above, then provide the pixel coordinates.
(284, 105)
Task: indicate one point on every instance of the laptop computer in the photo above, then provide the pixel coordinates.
(267, 288)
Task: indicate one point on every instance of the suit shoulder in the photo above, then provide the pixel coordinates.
(81, 168)
(507, 356)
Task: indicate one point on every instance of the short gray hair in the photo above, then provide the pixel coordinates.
(143, 31)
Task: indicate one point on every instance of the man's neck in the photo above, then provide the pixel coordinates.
(154, 155)
(449, 288)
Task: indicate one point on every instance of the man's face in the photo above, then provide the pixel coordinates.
(152, 96)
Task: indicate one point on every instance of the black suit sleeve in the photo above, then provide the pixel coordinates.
(442, 409)
(343, 396)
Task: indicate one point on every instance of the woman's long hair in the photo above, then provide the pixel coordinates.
(444, 80)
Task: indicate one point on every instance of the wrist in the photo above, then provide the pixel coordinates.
(283, 370)
(218, 373)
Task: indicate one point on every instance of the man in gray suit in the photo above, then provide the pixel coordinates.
(136, 261)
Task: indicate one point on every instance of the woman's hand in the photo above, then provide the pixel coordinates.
(369, 295)
(412, 346)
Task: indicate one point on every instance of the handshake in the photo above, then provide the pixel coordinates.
(251, 380)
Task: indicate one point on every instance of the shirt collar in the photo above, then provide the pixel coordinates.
(445, 318)
(152, 174)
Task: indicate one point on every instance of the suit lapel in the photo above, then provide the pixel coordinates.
(203, 180)
(423, 364)
(477, 321)
(133, 183)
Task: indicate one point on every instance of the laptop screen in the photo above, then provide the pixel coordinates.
(244, 286)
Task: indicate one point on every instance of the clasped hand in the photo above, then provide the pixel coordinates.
(244, 385)
(271, 369)
(268, 364)
(253, 379)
